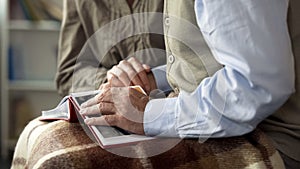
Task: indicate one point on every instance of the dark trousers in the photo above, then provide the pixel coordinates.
(289, 162)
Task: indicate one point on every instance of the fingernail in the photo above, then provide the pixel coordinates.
(146, 66)
(87, 121)
(83, 105)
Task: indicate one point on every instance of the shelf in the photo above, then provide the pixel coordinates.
(32, 85)
(26, 25)
(35, 47)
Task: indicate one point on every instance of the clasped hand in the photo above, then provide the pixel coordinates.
(119, 104)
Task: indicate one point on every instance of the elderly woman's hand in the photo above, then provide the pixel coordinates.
(130, 73)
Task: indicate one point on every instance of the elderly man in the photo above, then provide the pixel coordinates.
(251, 40)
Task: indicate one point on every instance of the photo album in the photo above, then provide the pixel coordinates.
(106, 136)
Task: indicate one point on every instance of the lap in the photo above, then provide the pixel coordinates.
(62, 144)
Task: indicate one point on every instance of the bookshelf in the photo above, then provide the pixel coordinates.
(28, 65)
(32, 85)
(25, 25)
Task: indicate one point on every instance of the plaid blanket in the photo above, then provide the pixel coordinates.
(60, 144)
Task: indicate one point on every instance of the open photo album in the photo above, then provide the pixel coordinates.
(106, 136)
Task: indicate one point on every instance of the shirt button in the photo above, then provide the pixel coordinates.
(167, 21)
(171, 58)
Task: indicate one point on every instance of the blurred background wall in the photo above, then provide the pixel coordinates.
(29, 31)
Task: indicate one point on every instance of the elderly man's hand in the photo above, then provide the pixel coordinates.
(119, 106)
(130, 73)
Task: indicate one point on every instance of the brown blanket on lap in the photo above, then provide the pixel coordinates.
(61, 144)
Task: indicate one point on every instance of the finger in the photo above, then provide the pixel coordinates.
(113, 79)
(104, 96)
(105, 86)
(121, 75)
(131, 73)
(146, 68)
(102, 108)
(115, 82)
(89, 102)
(109, 75)
(92, 110)
(106, 120)
(106, 108)
(141, 73)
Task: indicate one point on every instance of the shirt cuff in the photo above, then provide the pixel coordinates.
(161, 78)
(159, 118)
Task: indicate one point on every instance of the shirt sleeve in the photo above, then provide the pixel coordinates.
(251, 40)
(161, 78)
(88, 74)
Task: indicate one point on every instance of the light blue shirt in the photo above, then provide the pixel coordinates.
(250, 38)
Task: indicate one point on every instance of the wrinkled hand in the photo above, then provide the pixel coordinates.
(130, 73)
(119, 106)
